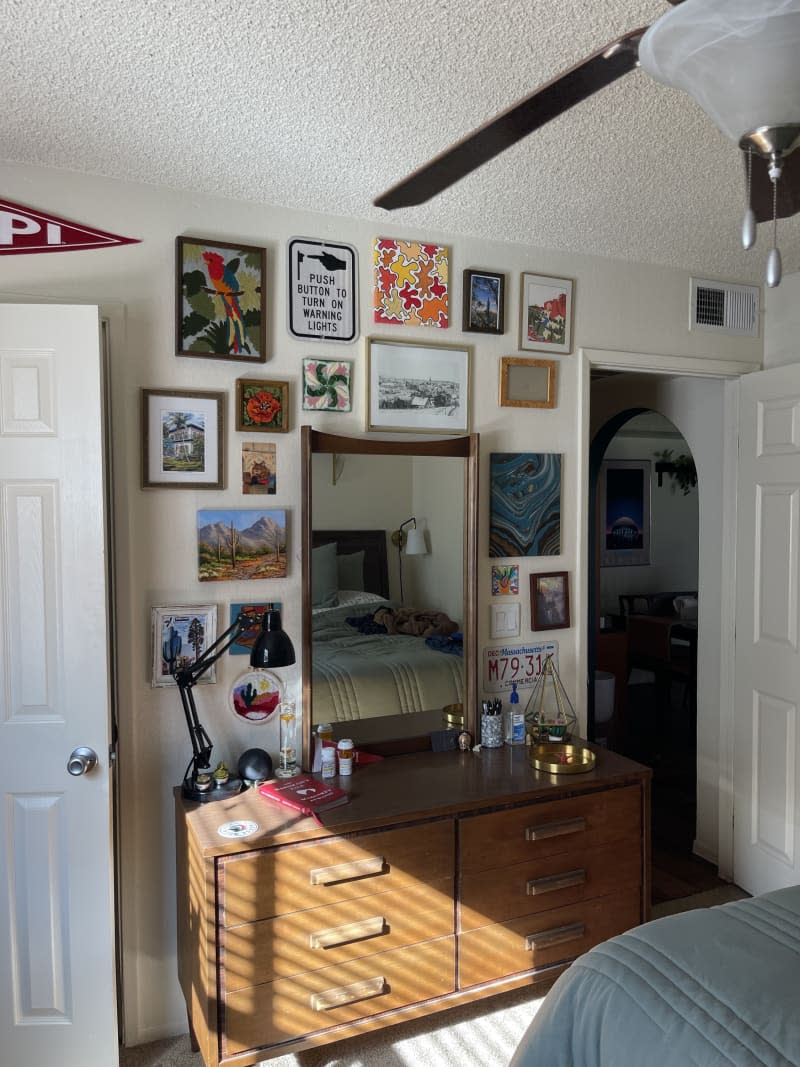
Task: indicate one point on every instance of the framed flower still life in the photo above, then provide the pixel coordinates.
(546, 314)
(326, 385)
(220, 300)
(262, 406)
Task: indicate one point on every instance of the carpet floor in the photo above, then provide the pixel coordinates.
(483, 1034)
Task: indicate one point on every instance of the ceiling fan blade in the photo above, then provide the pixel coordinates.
(788, 202)
(546, 103)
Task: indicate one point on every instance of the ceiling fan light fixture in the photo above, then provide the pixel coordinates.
(737, 59)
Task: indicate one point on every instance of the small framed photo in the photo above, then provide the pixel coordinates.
(262, 406)
(181, 635)
(259, 469)
(326, 385)
(546, 314)
(416, 387)
(220, 300)
(550, 601)
(182, 439)
(484, 300)
(527, 383)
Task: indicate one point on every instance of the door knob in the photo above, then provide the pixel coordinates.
(81, 761)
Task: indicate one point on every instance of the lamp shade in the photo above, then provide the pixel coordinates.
(272, 647)
(736, 58)
(415, 543)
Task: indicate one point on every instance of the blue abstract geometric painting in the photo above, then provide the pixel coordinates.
(525, 506)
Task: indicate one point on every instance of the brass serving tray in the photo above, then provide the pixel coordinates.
(555, 758)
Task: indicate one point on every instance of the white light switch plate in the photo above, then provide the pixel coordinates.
(504, 620)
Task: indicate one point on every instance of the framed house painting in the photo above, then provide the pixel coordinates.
(550, 601)
(624, 496)
(180, 635)
(326, 385)
(546, 314)
(416, 387)
(524, 504)
(220, 300)
(411, 283)
(182, 439)
(262, 406)
(241, 543)
(483, 302)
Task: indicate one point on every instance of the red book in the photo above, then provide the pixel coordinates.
(305, 794)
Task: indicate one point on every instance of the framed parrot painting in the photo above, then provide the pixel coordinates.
(221, 300)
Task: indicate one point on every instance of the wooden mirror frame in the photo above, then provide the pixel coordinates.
(467, 447)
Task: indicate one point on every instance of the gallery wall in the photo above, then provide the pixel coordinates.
(618, 306)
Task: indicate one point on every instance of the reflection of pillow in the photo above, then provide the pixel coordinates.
(686, 607)
(350, 570)
(324, 581)
(356, 596)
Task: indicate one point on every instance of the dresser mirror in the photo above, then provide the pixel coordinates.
(389, 541)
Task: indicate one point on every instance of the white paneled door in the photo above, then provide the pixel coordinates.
(767, 682)
(57, 978)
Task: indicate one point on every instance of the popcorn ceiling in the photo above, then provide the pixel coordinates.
(322, 105)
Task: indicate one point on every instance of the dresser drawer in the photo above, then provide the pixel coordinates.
(543, 884)
(276, 1011)
(276, 882)
(543, 940)
(319, 937)
(539, 830)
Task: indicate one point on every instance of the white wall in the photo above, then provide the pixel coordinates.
(782, 333)
(697, 407)
(673, 529)
(617, 306)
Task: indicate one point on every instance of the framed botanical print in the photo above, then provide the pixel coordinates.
(262, 406)
(180, 636)
(484, 302)
(546, 314)
(182, 439)
(220, 300)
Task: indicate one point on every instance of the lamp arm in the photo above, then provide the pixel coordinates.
(185, 679)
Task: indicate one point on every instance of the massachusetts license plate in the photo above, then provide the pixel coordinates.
(515, 663)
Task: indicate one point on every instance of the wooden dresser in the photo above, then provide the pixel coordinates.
(447, 877)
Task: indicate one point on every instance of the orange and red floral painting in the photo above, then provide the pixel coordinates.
(262, 406)
(411, 283)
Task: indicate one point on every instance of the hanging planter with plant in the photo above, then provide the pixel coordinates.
(680, 469)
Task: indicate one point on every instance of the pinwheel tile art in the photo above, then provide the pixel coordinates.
(411, 283)
(326, 385)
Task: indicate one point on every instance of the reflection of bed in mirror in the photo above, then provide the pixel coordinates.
(367, 683)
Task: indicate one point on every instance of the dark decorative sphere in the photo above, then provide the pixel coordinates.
(254, 766)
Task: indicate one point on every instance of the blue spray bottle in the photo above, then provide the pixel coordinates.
(515, 719)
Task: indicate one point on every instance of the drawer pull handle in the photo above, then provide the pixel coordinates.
(341, 935)
(555, 881)
(557, 936)
(342, 872)
(348, 994)
(555, 829)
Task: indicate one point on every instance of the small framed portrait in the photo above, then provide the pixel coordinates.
(550, 601)
(259, 475)
(182, 439)
(484, 302)
(546, 314)
(527, 383)
(262, 406)
(181, 635)
(326, 385)
(220, 300)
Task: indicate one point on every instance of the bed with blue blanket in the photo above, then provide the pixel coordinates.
(713, 987)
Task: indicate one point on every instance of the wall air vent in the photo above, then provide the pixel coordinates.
(724, 307)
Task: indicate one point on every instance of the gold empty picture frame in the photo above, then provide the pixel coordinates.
(527, 383)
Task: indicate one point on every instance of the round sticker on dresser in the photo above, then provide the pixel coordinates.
(255, 696)
(238, 828)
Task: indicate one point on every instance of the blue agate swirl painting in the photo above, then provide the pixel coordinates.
(525, 517)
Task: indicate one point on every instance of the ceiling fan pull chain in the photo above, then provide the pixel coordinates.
(774, 265)
(749, 222)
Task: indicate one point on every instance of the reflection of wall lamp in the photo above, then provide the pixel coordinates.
(412, 540)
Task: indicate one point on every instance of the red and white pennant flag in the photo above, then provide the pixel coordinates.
(24, 230)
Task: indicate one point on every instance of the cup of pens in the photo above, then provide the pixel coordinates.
(492, 723)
